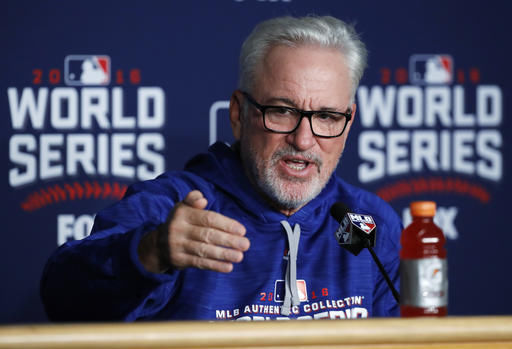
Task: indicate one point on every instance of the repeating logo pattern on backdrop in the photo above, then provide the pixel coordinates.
(83, 133)
(432, 128)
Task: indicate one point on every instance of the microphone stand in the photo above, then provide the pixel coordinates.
(383, 272)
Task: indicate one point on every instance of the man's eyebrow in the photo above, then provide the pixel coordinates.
(277, 101)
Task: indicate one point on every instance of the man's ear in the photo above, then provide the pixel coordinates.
(235, 114)
(353, 108)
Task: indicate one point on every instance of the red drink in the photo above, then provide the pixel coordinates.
(423, 267)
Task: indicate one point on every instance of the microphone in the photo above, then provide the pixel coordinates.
(356, 232)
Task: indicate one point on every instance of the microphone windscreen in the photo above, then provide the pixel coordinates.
(339, 210)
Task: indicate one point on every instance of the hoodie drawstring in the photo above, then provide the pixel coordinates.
(291, 297)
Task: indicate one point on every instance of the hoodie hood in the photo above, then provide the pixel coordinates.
(222, 166)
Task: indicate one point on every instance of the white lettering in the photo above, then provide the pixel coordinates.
(424, 150)
(398, 152)
(19, 148)
(80, 151)
(322, 315)
(60, 99)
(445, 150)
(120, 154)
(376, 105)
(487, 146)
(358, 313)
(50, 166)
(151, 98)
(102, 154)
(95, 104)
(444, 219)
(417, 106)
(437, 102)
(337, 314)
(489, 105)
(462, 160)
(459, 115)
(371, 145)
(49, 156)
(154, 162)
(70, 227)
(27, 105)
(118, 119)
(410, 106)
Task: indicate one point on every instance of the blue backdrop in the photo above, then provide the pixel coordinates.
(95, 95)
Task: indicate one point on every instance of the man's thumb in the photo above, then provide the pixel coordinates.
(195, 199)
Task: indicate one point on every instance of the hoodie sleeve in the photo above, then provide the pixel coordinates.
(100, 277)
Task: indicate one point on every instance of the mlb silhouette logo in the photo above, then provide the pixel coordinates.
(363, 222)
(279, 291)
(427, 69)
(366, 227)
(87, 70)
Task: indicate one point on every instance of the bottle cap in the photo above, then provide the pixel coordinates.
(423, 208)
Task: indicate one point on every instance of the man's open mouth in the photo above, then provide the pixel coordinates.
(296, 164)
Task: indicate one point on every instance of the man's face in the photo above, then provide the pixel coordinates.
(291, 169)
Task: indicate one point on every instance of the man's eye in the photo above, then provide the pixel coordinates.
(328, 117)
(281, 111)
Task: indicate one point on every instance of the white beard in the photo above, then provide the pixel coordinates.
(284, 191)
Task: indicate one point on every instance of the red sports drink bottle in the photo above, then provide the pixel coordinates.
(423, 267)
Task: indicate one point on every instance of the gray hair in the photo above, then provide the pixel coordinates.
(328, 32)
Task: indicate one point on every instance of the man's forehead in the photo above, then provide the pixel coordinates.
(303, 77)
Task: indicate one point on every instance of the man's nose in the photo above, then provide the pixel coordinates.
(302, 138)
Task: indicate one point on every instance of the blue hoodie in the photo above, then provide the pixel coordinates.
(100, 277)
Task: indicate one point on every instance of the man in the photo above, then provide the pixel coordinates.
(245, 231)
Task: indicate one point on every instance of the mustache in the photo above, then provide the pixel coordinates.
(289, 151)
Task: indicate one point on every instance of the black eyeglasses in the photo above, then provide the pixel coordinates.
(280, 119)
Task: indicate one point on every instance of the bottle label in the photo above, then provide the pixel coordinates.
(424, 282)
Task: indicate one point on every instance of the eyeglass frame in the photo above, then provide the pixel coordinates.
(303, 113)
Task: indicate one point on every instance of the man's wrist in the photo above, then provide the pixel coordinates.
(153, 250)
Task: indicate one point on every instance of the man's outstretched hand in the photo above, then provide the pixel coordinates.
(194, 237)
